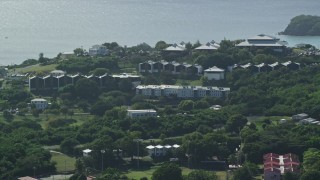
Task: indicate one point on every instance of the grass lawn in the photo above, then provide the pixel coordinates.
(188, 82)
(37, 68)
(64, 162)
(43, 118)
(133, 174)
(258, 120)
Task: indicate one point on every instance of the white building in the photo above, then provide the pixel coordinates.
(57, 73)
(86, 152)
(176, 47)
(159, 150)
(263, 41)
(181, 91)
(210, 46)
(214, 73)
(66, 55)
(40, 103)
(173, 67)
(142, 113)
(98, 50)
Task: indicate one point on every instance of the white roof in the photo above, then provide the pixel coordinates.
(58, 71)
(142, 110)
(150, 147)
(263, 40)
(214, 69)
(38, 99)
(87, 150)
(125, 75)
(209, 46)
(167, 146)
(263, 37)
(182, 87)
(176, 146)
(159, 146)
(175, 47)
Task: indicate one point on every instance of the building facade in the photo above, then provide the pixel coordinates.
(182, 91)
(51, 82)
(98, 50)
(172, 67)
(214, 73)
(141, 113)
(39, 103)
(275, 165)
(264, 41)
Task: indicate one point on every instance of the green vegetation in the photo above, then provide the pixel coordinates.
(303, 25)
(36, 69)
(84, 116)
(63, 162)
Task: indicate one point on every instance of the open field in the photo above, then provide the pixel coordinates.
(36, 68)
(44, 118)
(133, 174)
(64, 163)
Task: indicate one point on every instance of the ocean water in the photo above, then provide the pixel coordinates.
(29, 27)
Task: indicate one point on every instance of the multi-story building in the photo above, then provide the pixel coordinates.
(98, 50)
(182, 91)
(264, 41)
(51, 82)
(142, 113)
(173, 67)
(276, 165)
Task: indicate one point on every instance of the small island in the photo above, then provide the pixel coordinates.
(303, 25)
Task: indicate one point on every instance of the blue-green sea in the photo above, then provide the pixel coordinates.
(28, 27)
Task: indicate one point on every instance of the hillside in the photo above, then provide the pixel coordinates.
(303, 25)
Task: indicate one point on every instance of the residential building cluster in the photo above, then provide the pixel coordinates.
(159, 150)
(263, 67)
(173, 67)
(52, 82)
(209, 46)
(275, 165)
(304, 119)
(142, 113)
(182, 91)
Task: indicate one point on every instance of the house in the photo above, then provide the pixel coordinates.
(57, 73)
(214, 73)
(141, 113)
(66, 55)
(86, 152)
(176, 48)
(209, 46)
(275, 165)
(299, 117)
(291, 65)
(39, 103)
(27, 178)
(264, 41)
(309, 121)
(98, 50)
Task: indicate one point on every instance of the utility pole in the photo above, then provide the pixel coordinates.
(65, 169)
(138, 151)
(102, 152)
